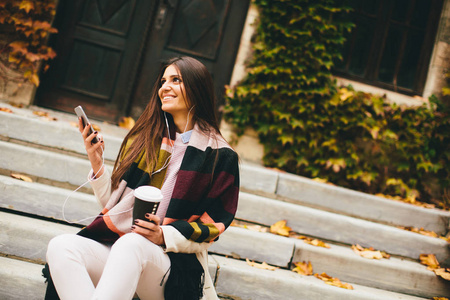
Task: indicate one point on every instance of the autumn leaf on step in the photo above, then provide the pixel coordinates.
(429, 260)
(45, 115)
(440, 298)
(369, 253)
(303, 268)
(420, 230)
(248, 226)
(40, 113)
(447, 239)
(5, 109)
(96, 127)
(442, 272)
(314, 242)
(333, 281)
(280, 228)
(21, 177)
(321, 180)
(263, 265)
(126, 122)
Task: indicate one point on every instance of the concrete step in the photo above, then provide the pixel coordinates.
(304, 220)
(394, 274)
(27, 238)
(340, 228)
(20, 234)
(47, 201)
(304, 191)
(24, 126)
(245, 282)
(23, 280)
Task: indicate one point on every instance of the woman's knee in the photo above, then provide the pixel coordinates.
(59, 245)
(136, 244)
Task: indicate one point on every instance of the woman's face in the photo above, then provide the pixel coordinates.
(172, 92)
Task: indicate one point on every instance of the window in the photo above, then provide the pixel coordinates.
(391, 44)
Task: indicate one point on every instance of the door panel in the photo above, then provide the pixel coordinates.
(98, 44)
(208, 30)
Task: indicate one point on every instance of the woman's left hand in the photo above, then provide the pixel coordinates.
(150, 230)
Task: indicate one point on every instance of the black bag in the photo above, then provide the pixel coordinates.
(50, 292)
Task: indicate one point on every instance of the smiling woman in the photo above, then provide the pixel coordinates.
(164, 256)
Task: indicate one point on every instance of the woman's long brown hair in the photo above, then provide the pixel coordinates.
(149, 129)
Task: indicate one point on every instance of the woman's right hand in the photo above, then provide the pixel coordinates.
(94, 151)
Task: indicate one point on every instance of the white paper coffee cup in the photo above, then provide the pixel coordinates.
(146, 201)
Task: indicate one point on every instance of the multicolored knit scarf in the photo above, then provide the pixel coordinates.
(116, 218)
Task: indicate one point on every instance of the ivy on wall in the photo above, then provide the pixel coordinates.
(310, 127)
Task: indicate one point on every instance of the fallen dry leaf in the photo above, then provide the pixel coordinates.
(410, 200)
(126, 122)
(45, 115)
(420, 230)
(333, 281)
(40, 113)
(314, 242)
(18, 105)
(445, 238)
(21, 177)
(74, 124)
(280, 228)
(321, 180)
(444, 273)
(440, 298)
(251, 227)
(303, 268)
(263, 265)
(5, 109)
(96, 127)
(369, 253)
(429, 260)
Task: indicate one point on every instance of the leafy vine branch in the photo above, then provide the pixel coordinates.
(25, 28)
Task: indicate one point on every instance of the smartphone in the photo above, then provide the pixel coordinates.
(80, 113)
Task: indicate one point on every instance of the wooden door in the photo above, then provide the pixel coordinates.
(208, 30)
(98, 45)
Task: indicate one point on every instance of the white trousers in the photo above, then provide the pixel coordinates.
(84, 269)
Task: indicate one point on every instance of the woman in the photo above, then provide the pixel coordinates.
(176, 146)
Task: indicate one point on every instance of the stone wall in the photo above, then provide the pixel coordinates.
(440, 59)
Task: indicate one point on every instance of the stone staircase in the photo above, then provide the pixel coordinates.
(52, 154)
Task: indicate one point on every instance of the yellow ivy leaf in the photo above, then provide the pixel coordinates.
(280, 228)
(21, 177)
(429, 260)
(303, 268)
(35, 79)
(263, 265)
(27, 6)
(126, 122)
